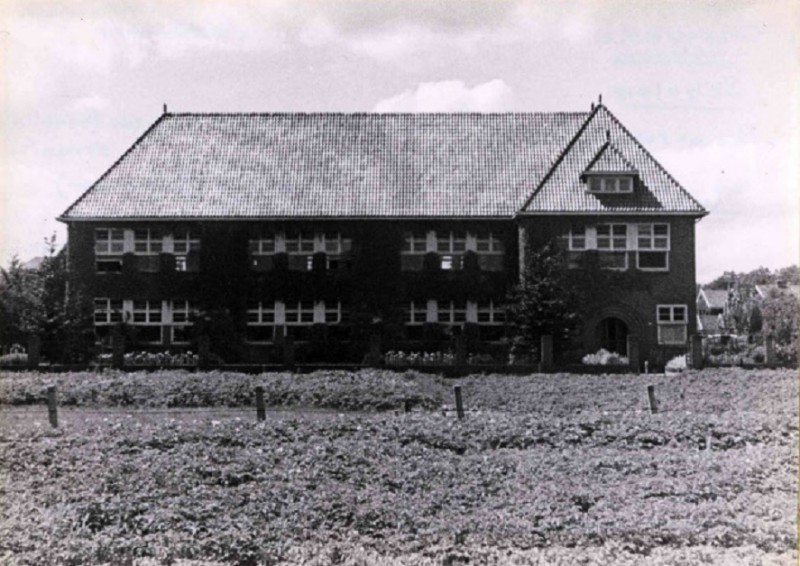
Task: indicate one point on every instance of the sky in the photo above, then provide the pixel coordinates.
(711, 88)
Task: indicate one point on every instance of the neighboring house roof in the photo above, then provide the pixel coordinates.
(610, 160)
(562, 190)
(764, 290)
(330, 165)
(713, 298)
(372, 165)
(33, 264)
(710, 323)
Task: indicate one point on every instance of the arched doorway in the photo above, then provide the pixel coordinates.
(612, 334)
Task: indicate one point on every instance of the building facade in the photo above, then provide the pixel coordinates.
(332, 227)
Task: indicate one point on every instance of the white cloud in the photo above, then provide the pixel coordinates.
(450, 96)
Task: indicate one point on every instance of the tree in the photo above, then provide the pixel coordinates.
(543, 302)
(780, 313)
(756, 320)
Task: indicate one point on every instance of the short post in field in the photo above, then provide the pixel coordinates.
(546, 360)
(651, 395)
(203, 352)
(34, 350)
(769, 355)
(261, 409)
(459, 402)
(697, 351)
(407, 405)
(646, 367)
(52, 408)
(633, 354)
(117, 349)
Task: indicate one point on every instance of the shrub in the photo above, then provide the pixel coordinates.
(604, 358)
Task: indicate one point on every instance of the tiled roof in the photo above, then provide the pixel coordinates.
(715, 298)
(563, 191)
(610, 160)
(331, 165)
(710, 323)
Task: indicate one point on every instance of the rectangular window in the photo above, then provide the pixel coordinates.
(415, 313)
(147, 321)
(300, 244)
(265, 245)
(612, 237)
(181, 312)
(337, 249)
(107, 311)
(147, 241)
(452, 312)
(610, 184)
(185, 241)
(109, 241)
(301, 313)
(672, 324)
(414, 243)
(653, 245)
(451, 242)
(577, 238)
(491, 314)
(260, 322)
(488, 243)
(334, 313)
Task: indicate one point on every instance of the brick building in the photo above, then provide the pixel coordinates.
(412, 225)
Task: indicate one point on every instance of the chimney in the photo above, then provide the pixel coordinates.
(600, 99)
(592, 106)
(165, 108)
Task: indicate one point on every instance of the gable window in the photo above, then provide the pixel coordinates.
(109, 245)
(260, 322)
(672, 324)
(181, 313)
(610, 184)
(652, 244)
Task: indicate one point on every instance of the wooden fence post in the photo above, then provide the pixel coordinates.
(52, 407)
(117, 349)
(407, 405)
(459, 402)
(769, 352)
(288, 352)
(261, 409)
(697, 351)
(633, 354)
(203, 352)
(651, 395)
(34, 351)
(546, 359)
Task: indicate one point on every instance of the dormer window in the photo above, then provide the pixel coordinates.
(610, 184)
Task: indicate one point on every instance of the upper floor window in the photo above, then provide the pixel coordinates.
(109, 241)
(107, 311)
(265, 245)
(577, 238)
(300, 313)
(147, 241)
(414, 243)
(652, 244)
(451, 312)
(336, 250)
(181, 313)
(185, 241)
(488, 243)
(672, 323)
(260, 322)
(489, 313)
(300, 244)
(610, 184)
(451, 247)
(334, 313)
(415, 313)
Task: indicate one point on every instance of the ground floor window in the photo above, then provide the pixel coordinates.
(612, 334)
(672, 324)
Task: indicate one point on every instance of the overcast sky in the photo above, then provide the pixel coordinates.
(710, 88)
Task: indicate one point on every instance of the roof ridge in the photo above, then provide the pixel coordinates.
(560, 158)
(370, 114)
(161, 117)
(654, 160)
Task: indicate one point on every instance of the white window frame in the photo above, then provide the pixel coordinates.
(108, 311)
(105, 246)
(414, 312)
(184, 308)
(490, 240)
(301, 240)
(573, 236)
(297, 310)
(609, 184)
(151, 308)
(261, 246)
(262, 311)
(450, 309)
(672, 323)
(653, 239)
(150, 242)
(185, 238)
(334, 244)
(494, 313)
(451, 240)
(333, 312)
(414, 240)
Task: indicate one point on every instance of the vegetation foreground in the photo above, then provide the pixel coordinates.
(544, 470)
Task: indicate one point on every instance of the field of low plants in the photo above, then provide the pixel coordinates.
(544, 469)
